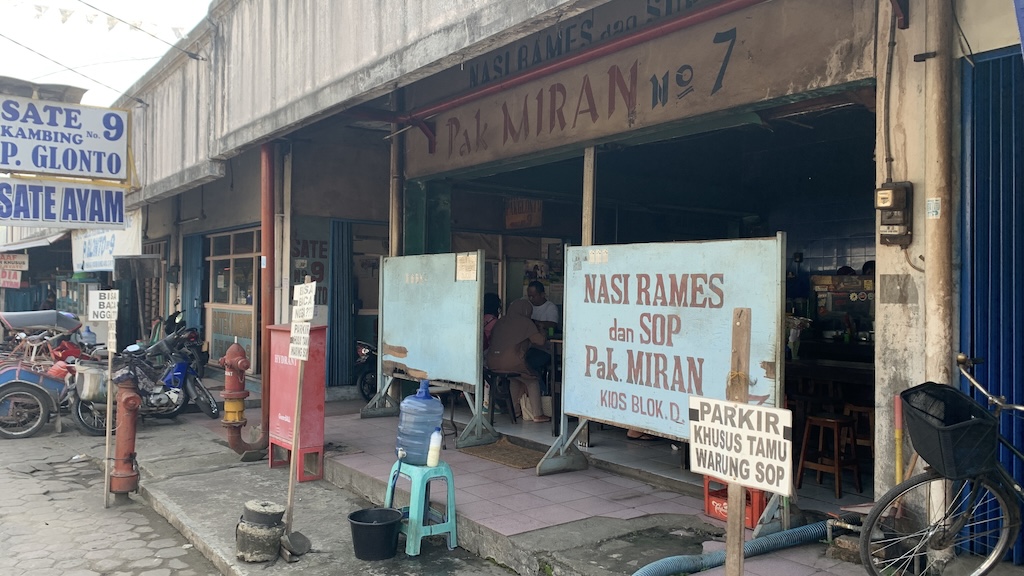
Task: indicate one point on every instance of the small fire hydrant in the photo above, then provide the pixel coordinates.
(125, 476)
(235, 363)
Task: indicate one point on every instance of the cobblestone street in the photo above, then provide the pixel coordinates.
(53, 523)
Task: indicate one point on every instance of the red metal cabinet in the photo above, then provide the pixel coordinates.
(284, 377)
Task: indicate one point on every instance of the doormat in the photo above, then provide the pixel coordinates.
(505, 452)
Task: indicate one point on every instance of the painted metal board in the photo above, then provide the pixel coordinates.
(647, 325)
(430, 321)
(696, 65)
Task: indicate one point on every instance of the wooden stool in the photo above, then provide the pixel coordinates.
(865, 417)
(501, 391)
(834, 462)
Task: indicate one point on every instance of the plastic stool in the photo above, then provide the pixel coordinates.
(419, 519)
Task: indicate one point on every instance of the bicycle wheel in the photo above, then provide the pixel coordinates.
(931, 525)
(24, 409)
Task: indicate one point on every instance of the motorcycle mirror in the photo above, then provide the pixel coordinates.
(133, 348)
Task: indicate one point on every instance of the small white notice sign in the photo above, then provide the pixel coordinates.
(749, 445)
(298, 344)
(103, 305)
(14, 262)
(465, 267)
(305, 302)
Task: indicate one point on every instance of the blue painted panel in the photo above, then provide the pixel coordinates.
(992, 228)
(430, 319)
(646, 325)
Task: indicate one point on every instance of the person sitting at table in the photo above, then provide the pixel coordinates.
(492, 310)
(512, 336)
(545, 316)
(545, 312)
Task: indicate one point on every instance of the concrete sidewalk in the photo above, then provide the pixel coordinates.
(189, 476)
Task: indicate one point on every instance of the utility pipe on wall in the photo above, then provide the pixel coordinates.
(396, 211)
(938, 229)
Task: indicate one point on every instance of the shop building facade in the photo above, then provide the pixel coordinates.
(625, 121)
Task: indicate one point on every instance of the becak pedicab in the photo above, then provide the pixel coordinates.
(36, 378)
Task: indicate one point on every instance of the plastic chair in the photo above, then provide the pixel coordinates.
(421, 520)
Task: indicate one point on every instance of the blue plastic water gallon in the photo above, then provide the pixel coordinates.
(89, 337)
(420, 414)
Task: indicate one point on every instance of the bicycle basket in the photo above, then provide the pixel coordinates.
(952, 433)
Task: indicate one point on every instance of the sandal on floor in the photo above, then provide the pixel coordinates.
(541, 419)
(643, 438)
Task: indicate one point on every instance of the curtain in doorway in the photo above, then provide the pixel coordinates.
(340, 309)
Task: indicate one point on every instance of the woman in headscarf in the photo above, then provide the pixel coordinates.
(512, 336)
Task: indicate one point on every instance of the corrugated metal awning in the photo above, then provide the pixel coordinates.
(35, 241)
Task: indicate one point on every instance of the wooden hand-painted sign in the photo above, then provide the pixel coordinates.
(758, 54)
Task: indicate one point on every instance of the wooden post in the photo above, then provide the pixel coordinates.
(587, 236)
(111, 349)
(293, 461)
(293, 469)
(737, 390)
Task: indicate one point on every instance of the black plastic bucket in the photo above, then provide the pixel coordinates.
(375, 532)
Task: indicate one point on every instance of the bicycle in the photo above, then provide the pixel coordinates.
(959, 516)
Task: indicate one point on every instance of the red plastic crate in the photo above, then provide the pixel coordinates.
(716, 502)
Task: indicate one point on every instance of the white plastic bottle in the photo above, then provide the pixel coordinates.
(434, 452)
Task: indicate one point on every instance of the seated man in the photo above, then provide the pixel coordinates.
(545, 316)
(512, 336)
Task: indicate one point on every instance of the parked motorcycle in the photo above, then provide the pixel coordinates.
(166, 389)
(365, 372)
(194, 345)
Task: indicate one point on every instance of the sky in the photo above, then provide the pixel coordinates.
(79, 34)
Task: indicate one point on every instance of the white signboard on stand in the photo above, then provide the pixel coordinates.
(647, 326)
(305, 302)
(749, 445)
(298, 345)
(103, 305)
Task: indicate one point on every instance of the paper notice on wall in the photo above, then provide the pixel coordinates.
(933, 208)
(465, 267)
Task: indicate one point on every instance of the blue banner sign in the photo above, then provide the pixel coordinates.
(37, 136)
(36, 203)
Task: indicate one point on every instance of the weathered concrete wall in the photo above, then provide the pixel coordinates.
(280, 64)
(987, 24)
(341, 173)
(230, 202)
(170, 127)
(900, 306)
(268, 67)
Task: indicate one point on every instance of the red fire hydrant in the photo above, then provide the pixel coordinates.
(125, 476)
(235, 363)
